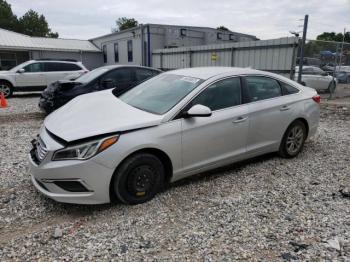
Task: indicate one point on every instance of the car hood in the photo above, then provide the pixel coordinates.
(97, 114)
(5, 72)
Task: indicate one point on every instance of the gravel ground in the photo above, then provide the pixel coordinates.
(266, 209)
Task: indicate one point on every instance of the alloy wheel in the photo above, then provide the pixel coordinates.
(295, 140)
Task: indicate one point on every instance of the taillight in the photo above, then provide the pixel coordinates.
(317, 98)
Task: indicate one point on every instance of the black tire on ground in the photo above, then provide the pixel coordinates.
(293, 140)
(138, 179)
(7, 88)
(331, 87)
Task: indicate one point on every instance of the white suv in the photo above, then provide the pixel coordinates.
(36, 75)
(316, 78)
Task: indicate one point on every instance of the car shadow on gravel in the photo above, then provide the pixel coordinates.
(221, 171)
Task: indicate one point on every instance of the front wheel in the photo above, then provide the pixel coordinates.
(293, 140)
(138, 179)
(6, 89)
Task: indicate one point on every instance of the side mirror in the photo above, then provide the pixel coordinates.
(107, 83)
(21, 71)
(199, 111)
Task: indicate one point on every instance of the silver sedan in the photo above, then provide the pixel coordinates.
(103, 146)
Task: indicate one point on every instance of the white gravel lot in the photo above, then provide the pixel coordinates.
(266, 209)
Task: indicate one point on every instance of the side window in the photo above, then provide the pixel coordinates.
(288, 89)
(116, 53)
(143, 74)
(70, 67)
(318, 71)
(223, 94)
(33, 68)
(308, 71)
(59, 67)
(121, 75)
(104, 50)
(130, 55)
(261, 88)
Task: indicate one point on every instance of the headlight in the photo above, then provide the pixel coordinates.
(86, 150)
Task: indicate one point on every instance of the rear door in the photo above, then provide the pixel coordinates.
(308, 77)
(322, 78)
(270, 113)
(33, 77)
(218, 139)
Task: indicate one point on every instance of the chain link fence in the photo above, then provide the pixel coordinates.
(326, 66)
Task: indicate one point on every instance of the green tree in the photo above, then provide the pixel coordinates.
(125, 23)
(7, 19)
(33, 24)
(222, 28)
(332, 36)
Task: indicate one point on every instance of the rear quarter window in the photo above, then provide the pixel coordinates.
(288, 89)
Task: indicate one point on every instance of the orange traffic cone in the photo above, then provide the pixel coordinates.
(3, 102)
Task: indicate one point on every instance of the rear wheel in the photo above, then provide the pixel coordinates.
(293, 140)
(6, 88)
(138, 179)
(331, 87)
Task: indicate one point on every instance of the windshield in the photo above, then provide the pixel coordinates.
(158, 95)
(89, 76)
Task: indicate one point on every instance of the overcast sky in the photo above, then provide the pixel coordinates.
(84, 19)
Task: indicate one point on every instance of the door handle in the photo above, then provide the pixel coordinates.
(284, 108)
(240, 119)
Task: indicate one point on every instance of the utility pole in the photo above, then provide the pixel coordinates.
(342, 48)
(301, 59)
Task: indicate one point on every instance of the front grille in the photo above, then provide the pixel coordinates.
(41, 150)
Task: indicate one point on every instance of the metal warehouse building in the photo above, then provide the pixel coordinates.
(135, 45)
(17, 48)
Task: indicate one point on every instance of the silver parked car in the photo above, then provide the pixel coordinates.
(100, 147)
(316, 78)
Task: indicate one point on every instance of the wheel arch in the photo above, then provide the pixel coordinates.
(164, 158)
(304, 121)
(6, 81)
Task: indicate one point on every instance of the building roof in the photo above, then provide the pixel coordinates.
(179, 26)
(12, 40)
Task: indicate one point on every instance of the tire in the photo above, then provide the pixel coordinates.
(7, 88)
(138, 179)
(331, 87)
(292, 143)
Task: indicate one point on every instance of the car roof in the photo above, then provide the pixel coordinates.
(306, 67)
(131, 66)
(208, 72)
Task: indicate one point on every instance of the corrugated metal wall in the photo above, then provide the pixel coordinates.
(276, 55)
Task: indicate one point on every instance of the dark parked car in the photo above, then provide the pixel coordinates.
(122, 78)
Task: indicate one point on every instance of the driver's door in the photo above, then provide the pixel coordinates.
(33, 77)
(221, 138)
